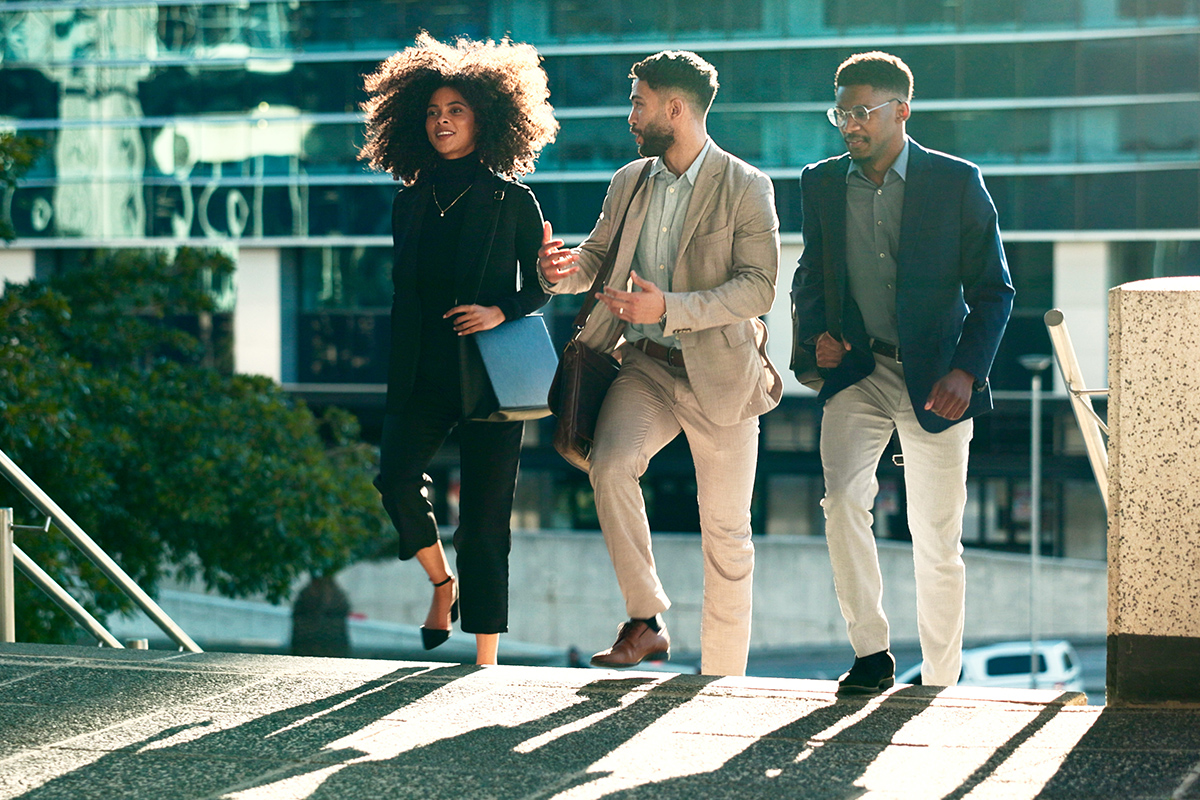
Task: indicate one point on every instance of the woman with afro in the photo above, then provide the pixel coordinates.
(458, 124)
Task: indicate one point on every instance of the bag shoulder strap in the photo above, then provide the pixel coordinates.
(486, 251)
(610, 257)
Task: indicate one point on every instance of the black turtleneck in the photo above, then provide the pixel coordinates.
(437, 270)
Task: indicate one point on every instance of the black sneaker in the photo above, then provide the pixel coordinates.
(869, 675)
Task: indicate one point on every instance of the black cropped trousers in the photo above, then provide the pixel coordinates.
(489, 454)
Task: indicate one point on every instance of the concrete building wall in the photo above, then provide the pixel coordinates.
(779, 320)
(1081, 282)
(16, 266)
(258, 316)
(563, 592)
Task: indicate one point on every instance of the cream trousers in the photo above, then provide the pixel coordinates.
(856, 427)
(647, 406)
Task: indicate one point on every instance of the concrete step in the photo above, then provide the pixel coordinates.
(81, 722)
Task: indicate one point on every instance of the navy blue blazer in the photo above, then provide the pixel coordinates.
(953, 290)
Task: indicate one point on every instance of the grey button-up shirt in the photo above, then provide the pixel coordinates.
(873, 243)
(658, 243)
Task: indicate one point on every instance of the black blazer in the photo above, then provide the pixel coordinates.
(509, 279)
(953, 291)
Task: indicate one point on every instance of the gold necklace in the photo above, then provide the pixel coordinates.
(443, 211)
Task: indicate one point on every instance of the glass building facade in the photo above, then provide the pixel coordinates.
(236, 123)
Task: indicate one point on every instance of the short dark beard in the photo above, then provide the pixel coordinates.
(656, 141)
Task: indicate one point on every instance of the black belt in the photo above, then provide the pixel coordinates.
(886, 349)
(670, 355)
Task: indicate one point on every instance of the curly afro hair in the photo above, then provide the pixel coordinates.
(503, 83)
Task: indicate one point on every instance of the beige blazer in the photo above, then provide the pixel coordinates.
(724, 279)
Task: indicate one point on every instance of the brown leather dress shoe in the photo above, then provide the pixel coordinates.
(636, 641)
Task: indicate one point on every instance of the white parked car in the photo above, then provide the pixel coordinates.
(1006, 665)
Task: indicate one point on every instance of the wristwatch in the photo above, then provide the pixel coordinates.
(979, 385)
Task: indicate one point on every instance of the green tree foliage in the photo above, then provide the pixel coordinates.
(172, 464)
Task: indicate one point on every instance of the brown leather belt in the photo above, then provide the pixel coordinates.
(886, 349)
(668, 355)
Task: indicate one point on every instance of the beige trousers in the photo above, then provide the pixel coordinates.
(855, 428)
(647, 406)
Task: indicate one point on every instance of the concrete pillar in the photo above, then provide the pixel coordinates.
(1154, 492)
(1080, 284)
(779, 321)
(16, 266)
(258, 315)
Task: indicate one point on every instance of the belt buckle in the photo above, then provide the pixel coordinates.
(887, 350)
(671, 352)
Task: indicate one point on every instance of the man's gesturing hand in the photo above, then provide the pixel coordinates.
(951, 395)
(554, 262)
(643, 308)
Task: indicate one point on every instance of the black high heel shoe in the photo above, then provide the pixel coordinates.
(432, 637)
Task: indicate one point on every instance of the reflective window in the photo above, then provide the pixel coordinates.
(633, 19)
(1108, 66)
(345, 278)
(1036, 13)
(1171, 200)
(1170, 63)
(1014, 665)
(978, 138)
(1043, 203)
(1111, 201)
(344, 316)
(930, 14)
(740, 134)
(754, 76)
(990, 13)
(988, 71)
(584, 144)
(571, 207)
(808, 74)
(1168, 130)
(850, 15)
(316, 87)
(1136, 261)
(1159, 10)
(573, 17)
(1031, 265)
(1046, 69)
(1032, 135)
(209, 29)
(935, 71)
(600, 80)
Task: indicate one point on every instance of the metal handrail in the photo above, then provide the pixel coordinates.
(1091, 425)
(42, 501)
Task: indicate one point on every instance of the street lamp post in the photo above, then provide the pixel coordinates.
(1036, 364)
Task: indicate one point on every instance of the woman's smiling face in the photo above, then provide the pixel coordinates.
(450, 123)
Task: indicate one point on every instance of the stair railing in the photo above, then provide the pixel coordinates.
(10, 553)
(1092, 427)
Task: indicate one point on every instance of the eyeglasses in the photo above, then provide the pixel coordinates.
(860, 114)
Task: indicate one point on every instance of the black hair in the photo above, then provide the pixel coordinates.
(878, 70)
(682, 70)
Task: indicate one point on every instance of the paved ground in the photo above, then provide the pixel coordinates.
(92, 723)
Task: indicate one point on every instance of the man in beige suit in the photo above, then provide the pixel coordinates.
(695, 268)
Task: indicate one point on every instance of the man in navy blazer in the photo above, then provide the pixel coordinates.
(900, 300)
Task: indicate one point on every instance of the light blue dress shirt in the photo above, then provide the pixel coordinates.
(658, 243)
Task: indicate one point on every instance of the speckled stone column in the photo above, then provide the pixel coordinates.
(1154, 492)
